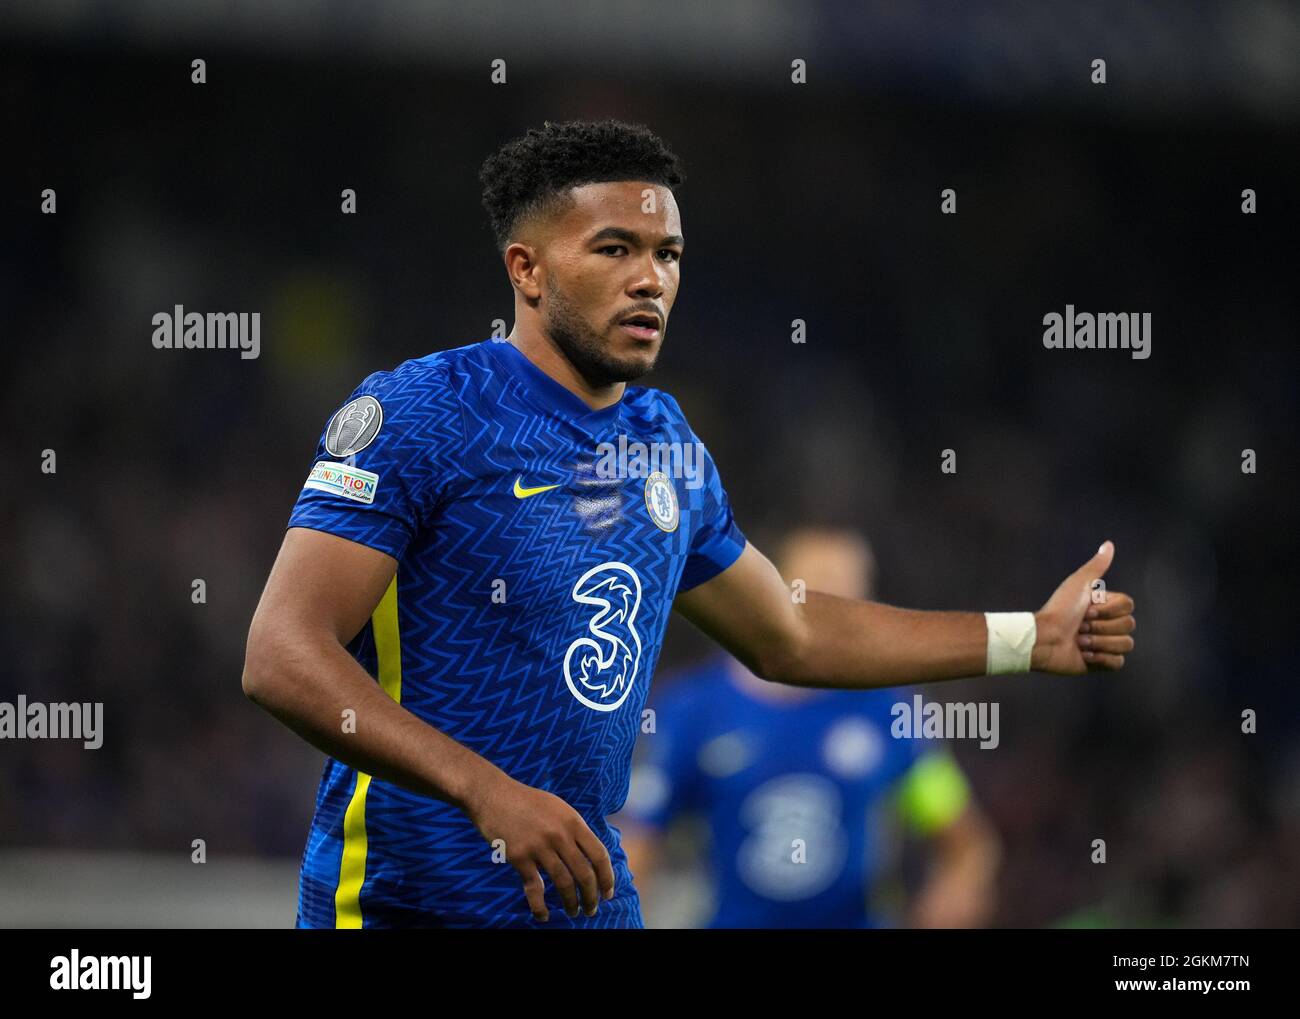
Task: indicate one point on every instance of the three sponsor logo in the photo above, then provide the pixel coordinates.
(600, 667)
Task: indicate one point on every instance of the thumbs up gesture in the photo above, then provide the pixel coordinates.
(1083, 627)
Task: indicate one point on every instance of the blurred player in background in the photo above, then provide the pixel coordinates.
(792, 783)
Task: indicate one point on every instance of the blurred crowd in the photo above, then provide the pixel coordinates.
(923, 333)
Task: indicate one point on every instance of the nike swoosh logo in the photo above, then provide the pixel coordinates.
(524, 493)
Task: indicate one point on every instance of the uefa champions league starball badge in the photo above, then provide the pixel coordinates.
(661, 501)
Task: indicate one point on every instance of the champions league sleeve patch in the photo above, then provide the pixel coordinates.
(354, 427)
(339, 479)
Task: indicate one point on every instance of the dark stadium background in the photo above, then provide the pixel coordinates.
(818, 202)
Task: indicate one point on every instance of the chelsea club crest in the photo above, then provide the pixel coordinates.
(661, 501)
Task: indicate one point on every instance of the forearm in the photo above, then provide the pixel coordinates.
(641, 846)
(311, 684)
(971, 856)
(960, 888)
(855, 644)
(821, 640)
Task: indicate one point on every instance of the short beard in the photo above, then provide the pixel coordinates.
(584, 348)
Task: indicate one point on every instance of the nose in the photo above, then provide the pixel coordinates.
(648, 281)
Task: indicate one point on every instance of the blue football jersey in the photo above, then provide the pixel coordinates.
(791, 791)
(525, 618)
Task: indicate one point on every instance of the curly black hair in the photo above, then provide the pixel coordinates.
(530, 173)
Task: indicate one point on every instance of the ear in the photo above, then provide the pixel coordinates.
(523, 269)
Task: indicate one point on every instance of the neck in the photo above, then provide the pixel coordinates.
(542, 351)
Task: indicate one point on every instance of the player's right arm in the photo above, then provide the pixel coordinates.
(320, 592)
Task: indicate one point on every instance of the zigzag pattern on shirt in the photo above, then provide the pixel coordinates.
(486, 615)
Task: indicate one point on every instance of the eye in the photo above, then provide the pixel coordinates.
(612, 247)
(677, 255)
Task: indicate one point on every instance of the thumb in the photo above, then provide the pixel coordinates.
(1100, 563)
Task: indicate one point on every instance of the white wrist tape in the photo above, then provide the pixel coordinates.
(1011, 642)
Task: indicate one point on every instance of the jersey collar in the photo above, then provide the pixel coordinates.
(549, 393)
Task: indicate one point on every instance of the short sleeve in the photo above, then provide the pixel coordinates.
(716, 540)
(384, 459)
(665, 778)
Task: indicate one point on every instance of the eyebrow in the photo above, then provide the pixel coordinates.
(617, 233)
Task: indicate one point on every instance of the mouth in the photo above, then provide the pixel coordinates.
(643, 325)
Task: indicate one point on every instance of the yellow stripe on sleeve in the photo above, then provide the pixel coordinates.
(352, 866)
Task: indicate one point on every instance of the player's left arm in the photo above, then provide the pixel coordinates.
(959, 890)
(827, 641)
(935, 802)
